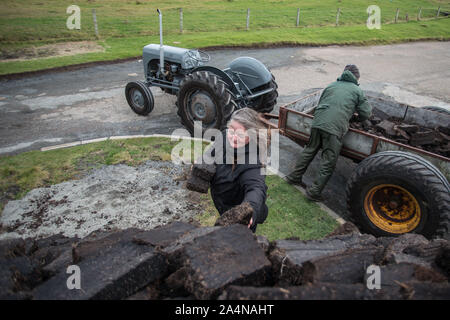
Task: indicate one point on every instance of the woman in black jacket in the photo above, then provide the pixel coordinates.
(240, 177)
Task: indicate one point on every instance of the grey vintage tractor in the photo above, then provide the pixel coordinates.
(204, 93)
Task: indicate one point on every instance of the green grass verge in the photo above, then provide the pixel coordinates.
(119, 48)
(36, 21)
(290, 214)
(26, 171)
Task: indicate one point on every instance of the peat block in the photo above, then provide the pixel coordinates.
(112, 273)
(113, 264)
(174, 252)
(421, 138)
(396, 250)
(424, 291)
(346, 267)
(387, 127)
(21, 264)
(288, 256)
(197, 184)
(180, 260)
(392, 274)
(204, 171)
(436, 140)
(319, 291)
(229, 255)
(240, 214)
(263, 243)
(334, 291)
(165, 235)
(345, 228)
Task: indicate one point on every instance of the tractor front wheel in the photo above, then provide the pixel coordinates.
(205, 98)
(391, 193)
(139, 97)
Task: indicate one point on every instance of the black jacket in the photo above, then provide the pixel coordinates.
(243, 183)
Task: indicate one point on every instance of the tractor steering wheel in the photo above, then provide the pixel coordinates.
(202, 56)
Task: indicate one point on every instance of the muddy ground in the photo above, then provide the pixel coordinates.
(109, 198)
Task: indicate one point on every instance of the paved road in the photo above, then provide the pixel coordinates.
(89, 103)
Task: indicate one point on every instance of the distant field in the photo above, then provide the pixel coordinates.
(125, 26)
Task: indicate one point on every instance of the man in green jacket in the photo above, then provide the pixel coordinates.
(337, 104)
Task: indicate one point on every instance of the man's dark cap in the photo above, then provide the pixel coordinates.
(353, 69)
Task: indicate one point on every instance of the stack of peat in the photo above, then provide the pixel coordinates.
(436, 140)
(199, 179)
(181, 260)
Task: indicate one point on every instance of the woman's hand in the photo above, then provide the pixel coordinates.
(250, 223)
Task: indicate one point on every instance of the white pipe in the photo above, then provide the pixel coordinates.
(161, 47)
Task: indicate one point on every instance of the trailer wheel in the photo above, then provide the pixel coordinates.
(139, 97)
(394, 192)
(204, 97)
(267, 102)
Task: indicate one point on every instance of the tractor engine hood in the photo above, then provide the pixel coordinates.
(253, 72)
(171, 55)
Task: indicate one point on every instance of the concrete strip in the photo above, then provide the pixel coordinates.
(127, 137)
(178, 137)
(26, 144)
(94, 140)
(60, 146)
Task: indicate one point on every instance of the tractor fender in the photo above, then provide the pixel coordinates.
(252, 71)
(222, 75)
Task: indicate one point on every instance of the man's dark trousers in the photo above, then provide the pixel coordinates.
(331, 147)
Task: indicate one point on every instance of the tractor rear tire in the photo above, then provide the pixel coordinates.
(139, 97)
(394, 192)
(267, 102)
(204, 97)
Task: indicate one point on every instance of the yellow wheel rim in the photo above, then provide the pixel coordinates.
(392, 208)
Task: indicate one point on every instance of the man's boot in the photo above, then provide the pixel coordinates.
(313, 197)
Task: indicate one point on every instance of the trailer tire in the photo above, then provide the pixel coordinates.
(204, 97)
(139, 97)
(394, 192)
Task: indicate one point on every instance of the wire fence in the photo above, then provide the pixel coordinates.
(182, 20)
(188, 21)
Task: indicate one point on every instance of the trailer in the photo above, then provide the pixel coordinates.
(396, 188)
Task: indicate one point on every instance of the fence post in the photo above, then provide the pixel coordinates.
(396, 15)
(94, 16)
(248, 18)
(419, 15)
(439, 11)
(407, 17)
(298, 17)
(181, 20)
(337, 16)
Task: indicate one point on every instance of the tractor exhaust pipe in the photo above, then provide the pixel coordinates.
(161, 46)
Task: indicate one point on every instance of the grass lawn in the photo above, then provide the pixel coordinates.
(126, 26)
(290, 214)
